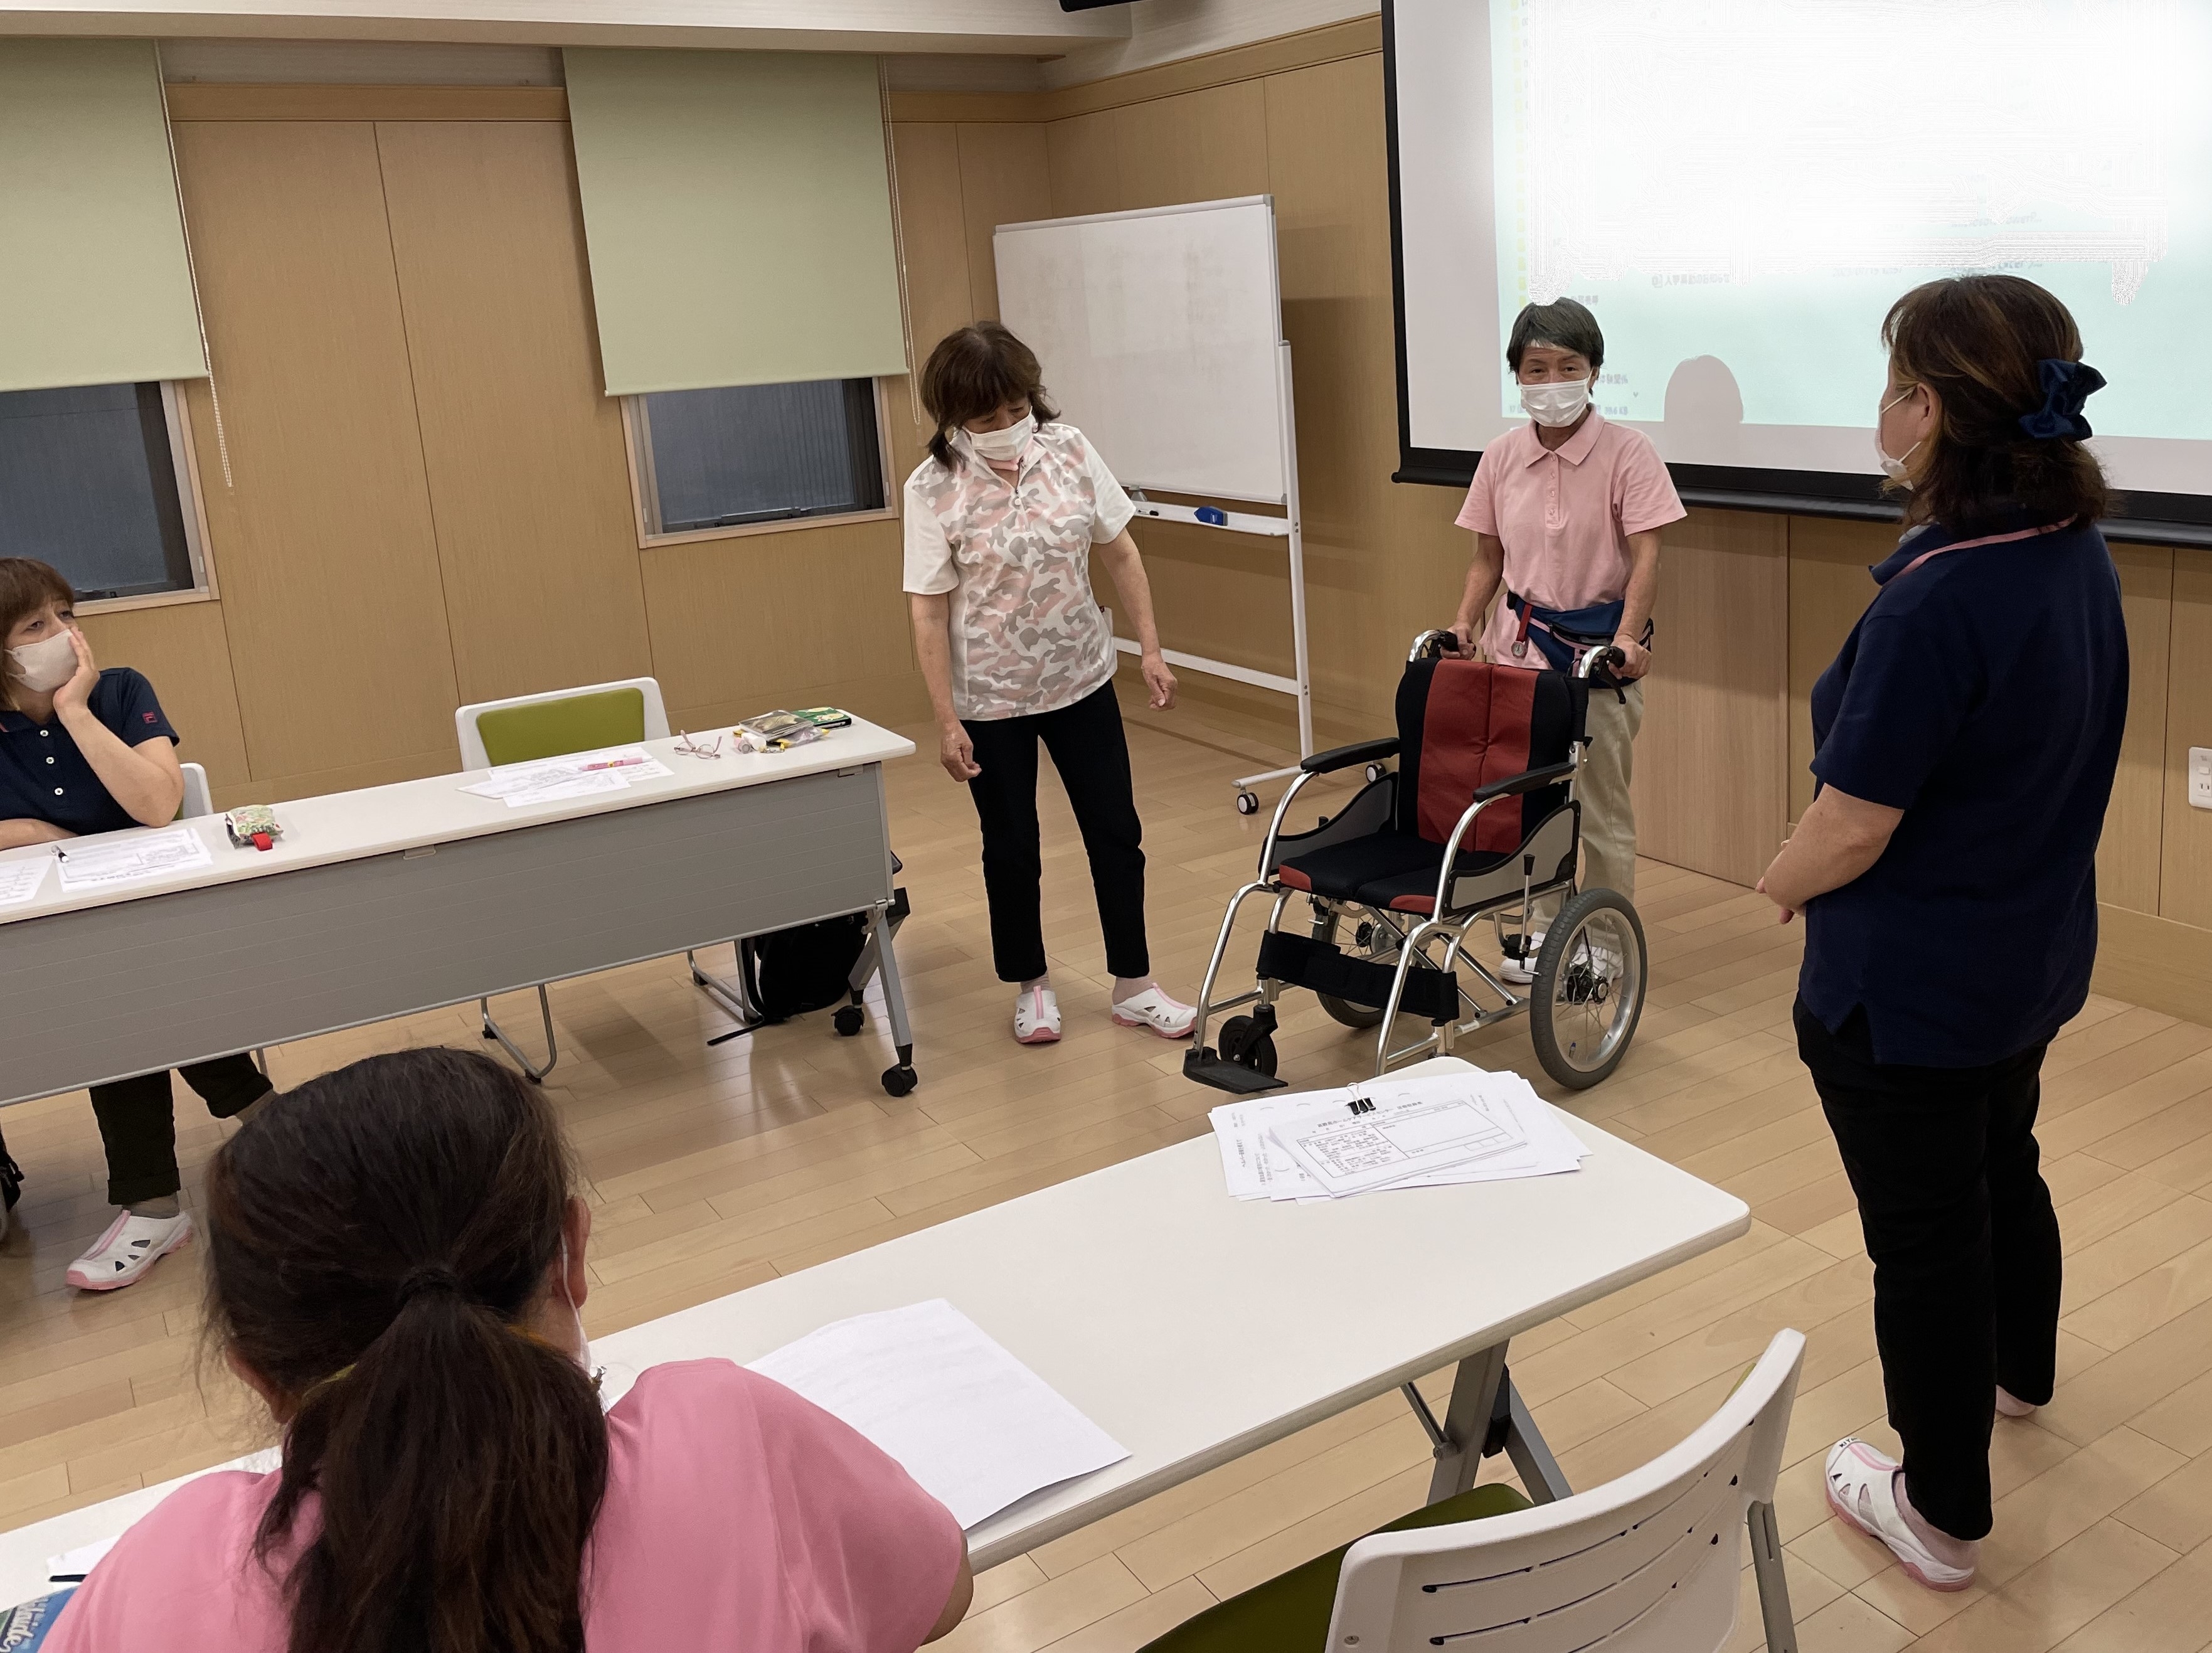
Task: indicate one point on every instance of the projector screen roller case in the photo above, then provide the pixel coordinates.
(1740, 189)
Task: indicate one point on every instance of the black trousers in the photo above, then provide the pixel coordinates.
(1091, 753)
(138, 1123)
(1964, 1246)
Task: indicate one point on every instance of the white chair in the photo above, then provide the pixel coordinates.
(523, 728)
(198, 801)
(1648, 1563)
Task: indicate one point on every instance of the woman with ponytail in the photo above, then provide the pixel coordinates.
(1965, 742)
(396, 1267)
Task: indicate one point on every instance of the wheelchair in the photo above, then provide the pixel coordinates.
(1478, 819)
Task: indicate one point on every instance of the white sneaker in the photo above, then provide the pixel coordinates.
(131, 1245)
(1863, 1492)
(1037, 1016)
(1155, 1011)
(1522, 971)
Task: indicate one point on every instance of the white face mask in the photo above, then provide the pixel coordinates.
(47, 663)
(1003, 447)
(1556, 404)
(1892, 469)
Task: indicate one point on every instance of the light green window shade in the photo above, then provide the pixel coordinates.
(93, 280)
(738, 217)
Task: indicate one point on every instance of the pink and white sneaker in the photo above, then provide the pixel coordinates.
(132, 1245)
(1863, 1492)
(1037, 1016)
(1156, 1012)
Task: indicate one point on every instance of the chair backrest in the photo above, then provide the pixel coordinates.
(1463, 724)
(197, 800)
(527, 727)
(1645, 1563)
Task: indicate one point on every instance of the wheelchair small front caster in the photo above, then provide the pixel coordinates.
(1248, 803)
(900, 1080)
(1250, 1040)
(847, 1022)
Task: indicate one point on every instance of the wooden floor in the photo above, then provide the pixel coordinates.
(715, 1169)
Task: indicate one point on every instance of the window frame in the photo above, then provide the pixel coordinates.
(183, 460)
(645, 491)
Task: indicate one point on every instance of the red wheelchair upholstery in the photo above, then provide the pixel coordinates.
(1462, 725)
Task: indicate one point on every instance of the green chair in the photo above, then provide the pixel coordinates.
(526, 728)
(1647, 1562)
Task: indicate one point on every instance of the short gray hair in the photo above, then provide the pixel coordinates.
(1565, 325)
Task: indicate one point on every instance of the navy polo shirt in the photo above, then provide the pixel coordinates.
(1983, 693)
(44, 777)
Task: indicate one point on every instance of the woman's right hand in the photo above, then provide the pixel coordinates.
(1463, 632)
(958, 753)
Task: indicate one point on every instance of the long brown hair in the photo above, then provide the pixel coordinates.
(376, 1238)
(27, 586)
(1976, 342)
(975, 371)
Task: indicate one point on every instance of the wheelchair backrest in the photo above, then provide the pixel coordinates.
(1463, 724)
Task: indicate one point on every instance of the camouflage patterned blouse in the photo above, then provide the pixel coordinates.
(1027, 635)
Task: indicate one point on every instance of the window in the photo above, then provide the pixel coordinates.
(95, 482)
(713, 461)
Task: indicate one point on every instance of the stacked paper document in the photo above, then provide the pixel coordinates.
(550, 780)
(1417, 1133)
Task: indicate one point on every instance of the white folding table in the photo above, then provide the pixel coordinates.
(402, 898)
(1194, 1328)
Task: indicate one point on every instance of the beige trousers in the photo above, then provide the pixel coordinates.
(1609, 816)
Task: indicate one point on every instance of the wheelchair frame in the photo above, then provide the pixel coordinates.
(1555, 843)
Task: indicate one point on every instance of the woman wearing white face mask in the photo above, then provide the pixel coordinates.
(85, 751)
(1567, 511)
(1002, 519)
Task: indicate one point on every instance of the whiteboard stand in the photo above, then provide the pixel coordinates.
(1290, 527)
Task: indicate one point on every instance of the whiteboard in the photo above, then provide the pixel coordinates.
(1160, 334)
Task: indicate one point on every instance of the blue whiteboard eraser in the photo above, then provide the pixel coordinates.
(1212, 516)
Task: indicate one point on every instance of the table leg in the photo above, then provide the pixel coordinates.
(900, 1079)
(1486, 1416)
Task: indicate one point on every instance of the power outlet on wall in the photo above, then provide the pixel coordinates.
(2200, 777)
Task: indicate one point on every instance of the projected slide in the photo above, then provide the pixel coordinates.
(1740, 188)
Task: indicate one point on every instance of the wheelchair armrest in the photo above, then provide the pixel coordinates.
(1528, 781)
(1343, 757)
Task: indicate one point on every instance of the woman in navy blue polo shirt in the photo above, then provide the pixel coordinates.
(1964, 740)
(84, 751)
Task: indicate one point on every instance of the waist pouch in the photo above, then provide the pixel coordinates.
(1564, 635)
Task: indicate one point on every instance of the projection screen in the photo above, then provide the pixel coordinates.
(1739, 189)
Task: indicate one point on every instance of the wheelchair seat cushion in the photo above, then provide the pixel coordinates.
(1385, 869)
(1463, 724)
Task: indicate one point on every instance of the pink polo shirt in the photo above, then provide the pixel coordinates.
(736, 1516)
(1565, 516)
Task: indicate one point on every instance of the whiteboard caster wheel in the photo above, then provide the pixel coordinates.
(1374, 772)
(900, 1080)
(846, 1021)
(1248, 803)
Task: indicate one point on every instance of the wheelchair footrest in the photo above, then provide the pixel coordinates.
(1303, 962)
(1208, 1067)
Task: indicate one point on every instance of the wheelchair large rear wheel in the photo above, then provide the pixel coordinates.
(1589, 987)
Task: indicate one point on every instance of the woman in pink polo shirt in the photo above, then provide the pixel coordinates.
(396, 1264)
(1566, 511)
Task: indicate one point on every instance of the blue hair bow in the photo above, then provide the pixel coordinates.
(2066, 387)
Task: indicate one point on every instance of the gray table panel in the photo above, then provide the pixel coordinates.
(111, 991)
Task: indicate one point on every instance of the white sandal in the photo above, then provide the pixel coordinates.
(1156, 1012)
(1037, 1016)
(131, 1246)
(1863, 1492)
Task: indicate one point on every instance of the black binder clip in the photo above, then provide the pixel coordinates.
(1360, 1105)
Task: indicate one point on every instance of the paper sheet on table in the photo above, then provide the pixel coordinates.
(578, 774)
(1258, 1166)
(98, 865)
(20, 880)
(974, 1426)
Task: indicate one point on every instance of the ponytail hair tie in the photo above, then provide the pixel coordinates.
(2066, 387)
(430, 1277)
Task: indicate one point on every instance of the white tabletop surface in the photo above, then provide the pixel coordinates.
(1192, 1326)
(344, 826)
